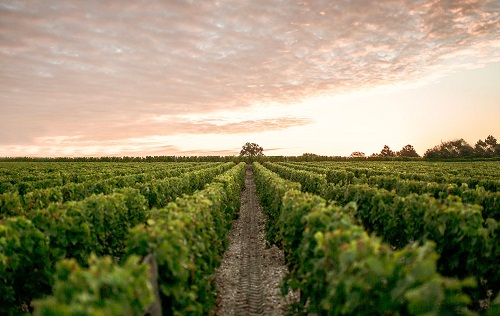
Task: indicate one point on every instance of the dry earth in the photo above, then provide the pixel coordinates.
(249, 277)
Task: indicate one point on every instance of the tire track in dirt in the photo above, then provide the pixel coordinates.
(249, 277)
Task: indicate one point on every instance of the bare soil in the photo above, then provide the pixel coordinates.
(248, 280)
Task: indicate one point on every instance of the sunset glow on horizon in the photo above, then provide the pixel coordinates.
(152, 78)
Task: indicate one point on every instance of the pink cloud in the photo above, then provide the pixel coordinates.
(74, 67)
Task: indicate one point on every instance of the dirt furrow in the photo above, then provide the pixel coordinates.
(249, 278)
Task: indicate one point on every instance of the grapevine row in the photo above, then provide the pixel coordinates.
(489, 200)
(466, 242)
(119, 225)
(340, 269)
(157, 191)
(348, 173)
(126, 174)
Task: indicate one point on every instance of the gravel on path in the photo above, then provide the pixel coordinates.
(249, 278)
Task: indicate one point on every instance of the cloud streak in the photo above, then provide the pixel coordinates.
(74, 66)
(124, 128)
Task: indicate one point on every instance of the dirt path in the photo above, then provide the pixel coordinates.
(248, 279)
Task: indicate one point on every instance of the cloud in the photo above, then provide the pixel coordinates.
(242, 127)
(273, 149)
(167, 126)
(136, 136)
(91, 65)
(44, 148)
(176, 125)
(205, 152)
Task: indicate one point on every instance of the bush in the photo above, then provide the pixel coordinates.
(104, 288)
(25, 267)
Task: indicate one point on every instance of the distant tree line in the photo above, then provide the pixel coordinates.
(406, 152)
(456, 149)
(121, 159)
(489, 148)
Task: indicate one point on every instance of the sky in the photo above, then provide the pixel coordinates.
(152, 78)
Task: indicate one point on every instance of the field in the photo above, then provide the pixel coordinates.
(386, 237)
(360, 237)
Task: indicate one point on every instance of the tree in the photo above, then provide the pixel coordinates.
(310, 157)
(451, 149)
(386, 152)
(487, 148)
(252, 150)
(357, 154)
(481, 149)
(407, 151)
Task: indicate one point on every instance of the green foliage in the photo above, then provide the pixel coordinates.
(10, 205)
(334, 258)
(271, 188)
(6, 186)
(67, 231)
(291, 223)
(74, 221)
(495, 306)
(451, 149)
(252, 150)
(408, 151)
(104, 288)
(357, 154)
(465, 240)
(41, 198)
(39, 193)
(74, 229)
(340, 269)
(488, 148)
(25, 267)
(159, 192)
(108, 219)
(386, 152)
(310, 181)
(187, 238)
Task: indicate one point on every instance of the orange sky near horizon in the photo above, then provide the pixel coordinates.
(150, 78)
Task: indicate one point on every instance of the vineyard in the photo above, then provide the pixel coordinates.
(73, 235)
(386, 237)
(359, 237)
